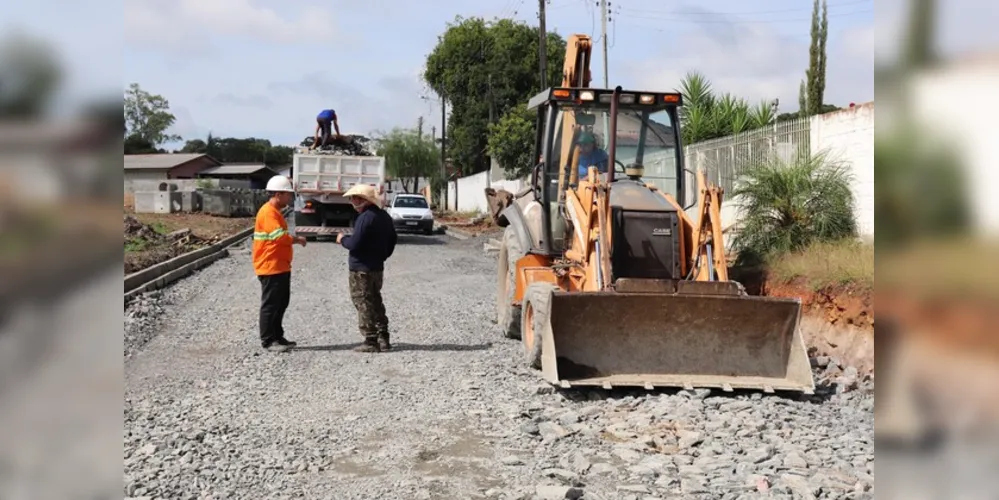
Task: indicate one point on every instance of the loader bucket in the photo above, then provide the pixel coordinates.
(652, 340)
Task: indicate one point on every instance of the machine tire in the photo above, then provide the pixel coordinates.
(507, 314)
(535, 322)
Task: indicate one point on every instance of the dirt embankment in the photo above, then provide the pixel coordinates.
(837, 321)
(469, 224)
(154, 238)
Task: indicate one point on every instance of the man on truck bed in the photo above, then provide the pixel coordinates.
(324, 120)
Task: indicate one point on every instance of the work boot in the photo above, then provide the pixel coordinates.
(368, 347)
(285, 342)
(383, 343)
(276, 347)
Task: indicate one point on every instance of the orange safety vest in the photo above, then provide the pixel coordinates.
(271, 242)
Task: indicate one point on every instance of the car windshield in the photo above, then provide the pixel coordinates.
(644, 136)
(410, 202)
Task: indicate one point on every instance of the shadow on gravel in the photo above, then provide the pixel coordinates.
(400, 347)
(413, 239)
(823, 393)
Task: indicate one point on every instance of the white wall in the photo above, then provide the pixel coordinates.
(848, 136)
(471, 191)
(966, 118)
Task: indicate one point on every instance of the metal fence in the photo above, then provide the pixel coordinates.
(725, 158)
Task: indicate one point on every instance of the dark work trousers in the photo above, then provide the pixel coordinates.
(366, 293)
(276, 294)
(326, 132)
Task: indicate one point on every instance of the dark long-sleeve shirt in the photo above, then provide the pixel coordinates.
(372, 242)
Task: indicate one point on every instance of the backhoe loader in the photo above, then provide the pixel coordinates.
(606, 278)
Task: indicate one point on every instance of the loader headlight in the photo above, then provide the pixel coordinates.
(586, 95)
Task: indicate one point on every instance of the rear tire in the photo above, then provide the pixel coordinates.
(507, 314)
(535, 320)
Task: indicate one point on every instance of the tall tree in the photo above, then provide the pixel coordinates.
(409, 156)
(814, 86)
(484, 69)
(148, 116)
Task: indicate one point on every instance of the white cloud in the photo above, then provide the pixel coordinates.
(755, 63)
(185, 25)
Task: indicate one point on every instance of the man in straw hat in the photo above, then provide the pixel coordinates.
(272, 253)
(370, 245)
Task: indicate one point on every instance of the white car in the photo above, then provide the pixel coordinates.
(411, 212)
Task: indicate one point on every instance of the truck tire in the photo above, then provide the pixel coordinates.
(507, 314)
(535, 321)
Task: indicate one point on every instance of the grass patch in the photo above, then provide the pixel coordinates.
(136, 245)
(822, 265)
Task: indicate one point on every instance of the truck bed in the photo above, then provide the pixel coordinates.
(318, 172)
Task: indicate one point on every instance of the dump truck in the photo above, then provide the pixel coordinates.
(320, 179)
(608, 279)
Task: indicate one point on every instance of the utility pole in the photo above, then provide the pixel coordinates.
(603, 36)
(419, 127)
(543, 44)
(443, 154)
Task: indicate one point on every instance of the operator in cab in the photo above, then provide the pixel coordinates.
(325, 120)
(590, 155)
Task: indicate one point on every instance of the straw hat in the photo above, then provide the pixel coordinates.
(364, 191)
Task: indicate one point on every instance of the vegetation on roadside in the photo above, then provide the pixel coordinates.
(788, 206)
(827, 264)
(706, 115)
(409, 155)
(507, 140)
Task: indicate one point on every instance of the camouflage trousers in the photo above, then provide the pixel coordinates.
(366, 293)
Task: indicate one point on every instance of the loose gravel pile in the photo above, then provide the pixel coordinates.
(450, 413)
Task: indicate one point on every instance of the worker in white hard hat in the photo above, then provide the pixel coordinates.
(370, 245)
(272, 254)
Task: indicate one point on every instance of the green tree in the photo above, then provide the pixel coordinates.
(147, 117)
(813, 87)
(29, 76)
(706, 116)
(483, 69)
(510, 140)
(787, 206)
(409, 156)
(248, 150)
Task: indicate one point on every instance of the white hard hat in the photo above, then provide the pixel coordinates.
(280, 183)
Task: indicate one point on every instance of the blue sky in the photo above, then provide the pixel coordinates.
(264, 68)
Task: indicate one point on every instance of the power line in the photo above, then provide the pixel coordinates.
(731, 21)
(743, 13)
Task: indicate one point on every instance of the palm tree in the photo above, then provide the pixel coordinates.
(789, 205)
(706, 116)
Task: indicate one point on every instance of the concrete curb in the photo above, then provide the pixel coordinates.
(160, 275)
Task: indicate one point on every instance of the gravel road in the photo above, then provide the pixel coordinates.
(450, 413)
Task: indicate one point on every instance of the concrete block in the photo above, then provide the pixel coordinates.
(190, 201)
(157, 202)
